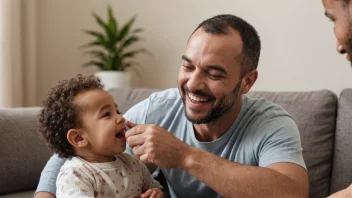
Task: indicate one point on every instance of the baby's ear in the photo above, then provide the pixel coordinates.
(74, 136)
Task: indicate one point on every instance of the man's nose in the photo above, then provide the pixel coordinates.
(340, 48)
(195, 81)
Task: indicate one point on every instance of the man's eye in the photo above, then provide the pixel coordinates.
(187, 67)
(214, 77)
(107, 114)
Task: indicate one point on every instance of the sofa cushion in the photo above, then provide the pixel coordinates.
(125, 98)
(315, 115)
(342, 169)
(23, 153)
(25, 194)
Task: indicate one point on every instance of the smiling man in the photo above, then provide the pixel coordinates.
(207, 136)
(212, 140)
(340, 13)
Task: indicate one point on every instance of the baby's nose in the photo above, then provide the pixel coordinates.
(120, 119)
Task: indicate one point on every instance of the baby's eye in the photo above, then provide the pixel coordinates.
(118, 112)
(107, 114)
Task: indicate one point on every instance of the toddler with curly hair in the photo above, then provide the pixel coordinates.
(81, 122)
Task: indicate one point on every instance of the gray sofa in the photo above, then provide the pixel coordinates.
(324, 120)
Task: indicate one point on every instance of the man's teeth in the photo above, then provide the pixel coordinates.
(196, 98)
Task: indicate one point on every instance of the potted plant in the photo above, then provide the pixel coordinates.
(109, 50)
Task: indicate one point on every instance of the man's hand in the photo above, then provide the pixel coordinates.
(44, 195)
(153, 193)
(153, 144)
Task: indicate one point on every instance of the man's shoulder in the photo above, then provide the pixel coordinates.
(159, 99)
(168, 94)
(263, 108)
(267, 118)
(158, 104)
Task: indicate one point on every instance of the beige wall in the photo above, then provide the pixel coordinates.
(298, 45)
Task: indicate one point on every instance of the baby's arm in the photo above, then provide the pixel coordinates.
(72, 182)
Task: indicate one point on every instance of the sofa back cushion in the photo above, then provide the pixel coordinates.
(342, 169)
(22, 153)
(315, 115)
(125, 98)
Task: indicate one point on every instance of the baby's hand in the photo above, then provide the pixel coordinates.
(153, 193)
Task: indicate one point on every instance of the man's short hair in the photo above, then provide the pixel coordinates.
(250, 53)
(346, 2)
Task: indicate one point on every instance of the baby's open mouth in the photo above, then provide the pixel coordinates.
(120, 134)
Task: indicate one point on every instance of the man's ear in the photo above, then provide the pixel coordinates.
(74, 136)
(248, 81)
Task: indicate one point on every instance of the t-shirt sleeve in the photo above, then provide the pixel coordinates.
(49, 175)
(278, 140)
(72, 182)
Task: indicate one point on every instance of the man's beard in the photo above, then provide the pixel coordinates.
(216, 112)
(349, 42)
(349, 48)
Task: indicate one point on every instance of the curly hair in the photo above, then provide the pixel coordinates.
(60, 114)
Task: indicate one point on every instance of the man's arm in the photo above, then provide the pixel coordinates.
(47, 182)
(153, 144)
(229, 178)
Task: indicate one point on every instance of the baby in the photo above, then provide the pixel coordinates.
(81, 122)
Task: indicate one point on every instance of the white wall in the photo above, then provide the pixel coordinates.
(298, 51)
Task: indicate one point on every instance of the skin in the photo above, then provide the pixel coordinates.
(215, 85)
(95, 140)
(340, 14)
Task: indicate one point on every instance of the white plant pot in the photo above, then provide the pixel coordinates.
(115, 79)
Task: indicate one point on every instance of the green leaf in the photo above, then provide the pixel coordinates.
(93, 43)
(109, 47)
(111, 60)
(129, 41)
(94, 33)
(112, 24)
(99, 21)
(104, 26)
(98, 64)
(125, 29)
(133, 53)
(100, 37)
(97, 54)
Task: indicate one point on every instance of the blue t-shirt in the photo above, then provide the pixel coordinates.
(262, 134)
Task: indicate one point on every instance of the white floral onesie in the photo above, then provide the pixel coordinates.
(126, 177)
